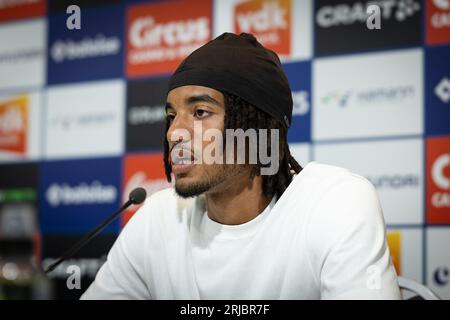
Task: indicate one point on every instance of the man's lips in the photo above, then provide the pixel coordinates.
(181, 168)
(181, 161)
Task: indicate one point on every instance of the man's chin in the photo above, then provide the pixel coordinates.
(187, 186)
(189, 190)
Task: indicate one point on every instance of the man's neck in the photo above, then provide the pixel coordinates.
(237, 202)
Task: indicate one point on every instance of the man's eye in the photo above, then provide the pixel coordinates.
(170, 117)
(200, 113)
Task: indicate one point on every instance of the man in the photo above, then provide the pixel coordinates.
(264, 229)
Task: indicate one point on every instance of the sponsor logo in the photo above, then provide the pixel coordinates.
(19, 9)
(140, 179)
(15, 3)
(81, 194)
(394, 243)
(83, 121)
(146, 171)
(368, 97)
(334, 21)
(17, 57)
(269, 21)
(396, 181)
(161, 35)
(442, 90)
(347, 14)
(139, 115)
(438, 180)
(88, 47)
(438, 21)
(301, 104)
(14, 125)
(146, 113)
(441, 19)
(441, 276)
(441, 199)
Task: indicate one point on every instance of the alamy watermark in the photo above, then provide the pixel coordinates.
(262, 147)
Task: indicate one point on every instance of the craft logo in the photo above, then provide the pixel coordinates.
(346, 14)
(394, 242)
(161, 35)
(14, 124)
(269, 21)
(438, 180)
(145, 171)
(438, 21)
(146, 115)
(20, 9)
(336, 20)
(86, 48)
(138, 115)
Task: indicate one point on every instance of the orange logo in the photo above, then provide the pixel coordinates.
(161, 35)
(268, 21)
(20, 9)
(438, 180)
(146, 171)
(394, 242)
(13, 125)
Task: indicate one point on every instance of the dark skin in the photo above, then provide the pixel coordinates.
(232, 198)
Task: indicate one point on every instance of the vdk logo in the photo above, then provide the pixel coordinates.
(442, 90)
(82, 194)
(271, 16)
(268, 21)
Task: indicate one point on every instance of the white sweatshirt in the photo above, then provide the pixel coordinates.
(323, 239)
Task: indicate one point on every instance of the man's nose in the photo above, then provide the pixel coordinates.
(180, 130)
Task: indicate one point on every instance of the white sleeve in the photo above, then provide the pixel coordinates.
(349, 247)
(121, 276)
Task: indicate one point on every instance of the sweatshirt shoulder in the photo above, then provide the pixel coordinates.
(165, 205)
(320, 178)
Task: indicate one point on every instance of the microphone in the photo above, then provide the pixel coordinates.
(137, 196)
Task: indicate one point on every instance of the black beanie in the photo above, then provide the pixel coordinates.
(239, 65)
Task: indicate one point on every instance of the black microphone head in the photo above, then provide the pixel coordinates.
(138, 195)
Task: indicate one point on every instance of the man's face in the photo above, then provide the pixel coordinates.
(205, 106)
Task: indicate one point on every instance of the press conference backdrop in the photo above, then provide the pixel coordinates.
(82, 110)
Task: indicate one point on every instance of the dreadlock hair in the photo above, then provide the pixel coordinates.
(239, 114)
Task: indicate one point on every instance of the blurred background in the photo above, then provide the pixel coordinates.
(82, 95)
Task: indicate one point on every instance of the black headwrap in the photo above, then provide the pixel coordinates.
(240, 65)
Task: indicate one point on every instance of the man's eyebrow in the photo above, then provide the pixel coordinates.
(203, 98)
